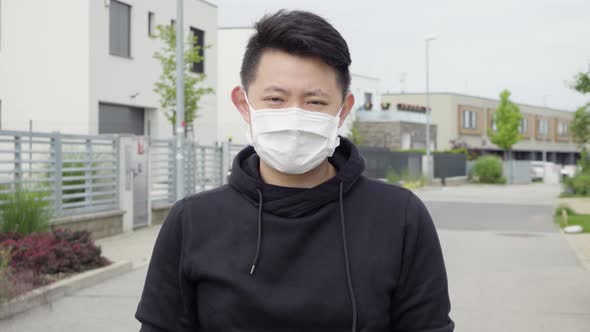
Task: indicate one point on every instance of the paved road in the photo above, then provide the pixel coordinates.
(509, 267)
(509, 270)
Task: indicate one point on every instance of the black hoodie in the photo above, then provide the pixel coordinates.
(350, 253)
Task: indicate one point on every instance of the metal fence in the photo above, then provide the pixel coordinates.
(162, 165)
(209, 167)
(449, 164)
(379, 161)
(78, 173)
(203, 169)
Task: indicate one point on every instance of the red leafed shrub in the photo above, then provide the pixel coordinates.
(59, 251)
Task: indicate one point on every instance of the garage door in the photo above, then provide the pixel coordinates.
(120, 119)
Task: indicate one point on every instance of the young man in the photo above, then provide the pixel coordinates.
(299, 240)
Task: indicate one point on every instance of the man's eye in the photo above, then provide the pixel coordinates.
(317, 102)
(274, 99)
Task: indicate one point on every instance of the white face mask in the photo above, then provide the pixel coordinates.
(293, 140)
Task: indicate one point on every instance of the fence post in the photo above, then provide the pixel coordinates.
(226, 160)
(203, 161)
(116, 145)
(18, 163)
(57, 172)
(220, 162)
(88, 173)
(171, 172)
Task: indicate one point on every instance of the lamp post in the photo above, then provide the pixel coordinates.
(545, 127)
(179, 100)
(428, 39)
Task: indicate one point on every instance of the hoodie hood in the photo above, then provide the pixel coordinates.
(296, 202)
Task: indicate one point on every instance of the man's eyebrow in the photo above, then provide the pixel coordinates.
(317, 92)
(274, 88)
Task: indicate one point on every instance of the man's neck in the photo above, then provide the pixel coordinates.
(310, 179)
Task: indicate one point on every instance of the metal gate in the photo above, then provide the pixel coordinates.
(138, 168)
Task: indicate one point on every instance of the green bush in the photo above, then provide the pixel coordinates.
(488, 169)
(568, 210)
(25, 212)
(407, 179)
(579, 184)
(392, 177)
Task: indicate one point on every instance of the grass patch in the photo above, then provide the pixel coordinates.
(573, 218)
(570, 195)
(406, 179)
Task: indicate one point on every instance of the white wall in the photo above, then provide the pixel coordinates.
(232, 45)
(114, 79)
(359, 84)
(44, 65)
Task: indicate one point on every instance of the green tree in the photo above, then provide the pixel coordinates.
(508, 119)
(355, 134)
(165, 87)
(582, 82)
(580, 126)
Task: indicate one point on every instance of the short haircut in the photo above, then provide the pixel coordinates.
(298, 33)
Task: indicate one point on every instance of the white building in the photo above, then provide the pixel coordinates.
(232, 45)
(86, 66)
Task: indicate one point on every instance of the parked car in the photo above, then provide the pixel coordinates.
(537, 170)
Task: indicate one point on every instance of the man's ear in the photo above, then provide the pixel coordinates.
(238, 97)
(346, 108)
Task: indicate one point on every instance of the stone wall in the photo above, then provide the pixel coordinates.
(99, 224)
(159, 213)
(389, 134)
(380, 134)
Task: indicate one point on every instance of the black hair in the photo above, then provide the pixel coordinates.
(299, 33)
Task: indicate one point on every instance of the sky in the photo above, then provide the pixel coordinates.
(531, 47)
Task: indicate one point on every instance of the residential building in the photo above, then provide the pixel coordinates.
(87, 66)
(398, 126)
(232, 45)
(467, 120)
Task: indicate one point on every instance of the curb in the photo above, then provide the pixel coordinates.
(582, 259)
(61, 288)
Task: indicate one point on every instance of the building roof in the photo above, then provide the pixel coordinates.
(473, 96)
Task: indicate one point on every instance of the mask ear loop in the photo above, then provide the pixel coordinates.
(246, 97)
(249, 134)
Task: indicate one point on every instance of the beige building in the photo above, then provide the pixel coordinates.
(399, 126)
(467, 119)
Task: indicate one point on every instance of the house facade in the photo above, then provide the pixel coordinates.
(467, 120)
(87, 66)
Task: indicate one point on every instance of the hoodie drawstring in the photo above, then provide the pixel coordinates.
(344, 244)
(260, 202)
(346, 260)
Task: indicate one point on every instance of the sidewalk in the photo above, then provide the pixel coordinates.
(580, 243)
(135, 246)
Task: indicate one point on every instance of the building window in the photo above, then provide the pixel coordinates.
(368, 98)
(494, 124)
(199, 67)
(562, 128)
(542, 124)
(151, 24)
(469, 119)
(120, 29)
(524, 126)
